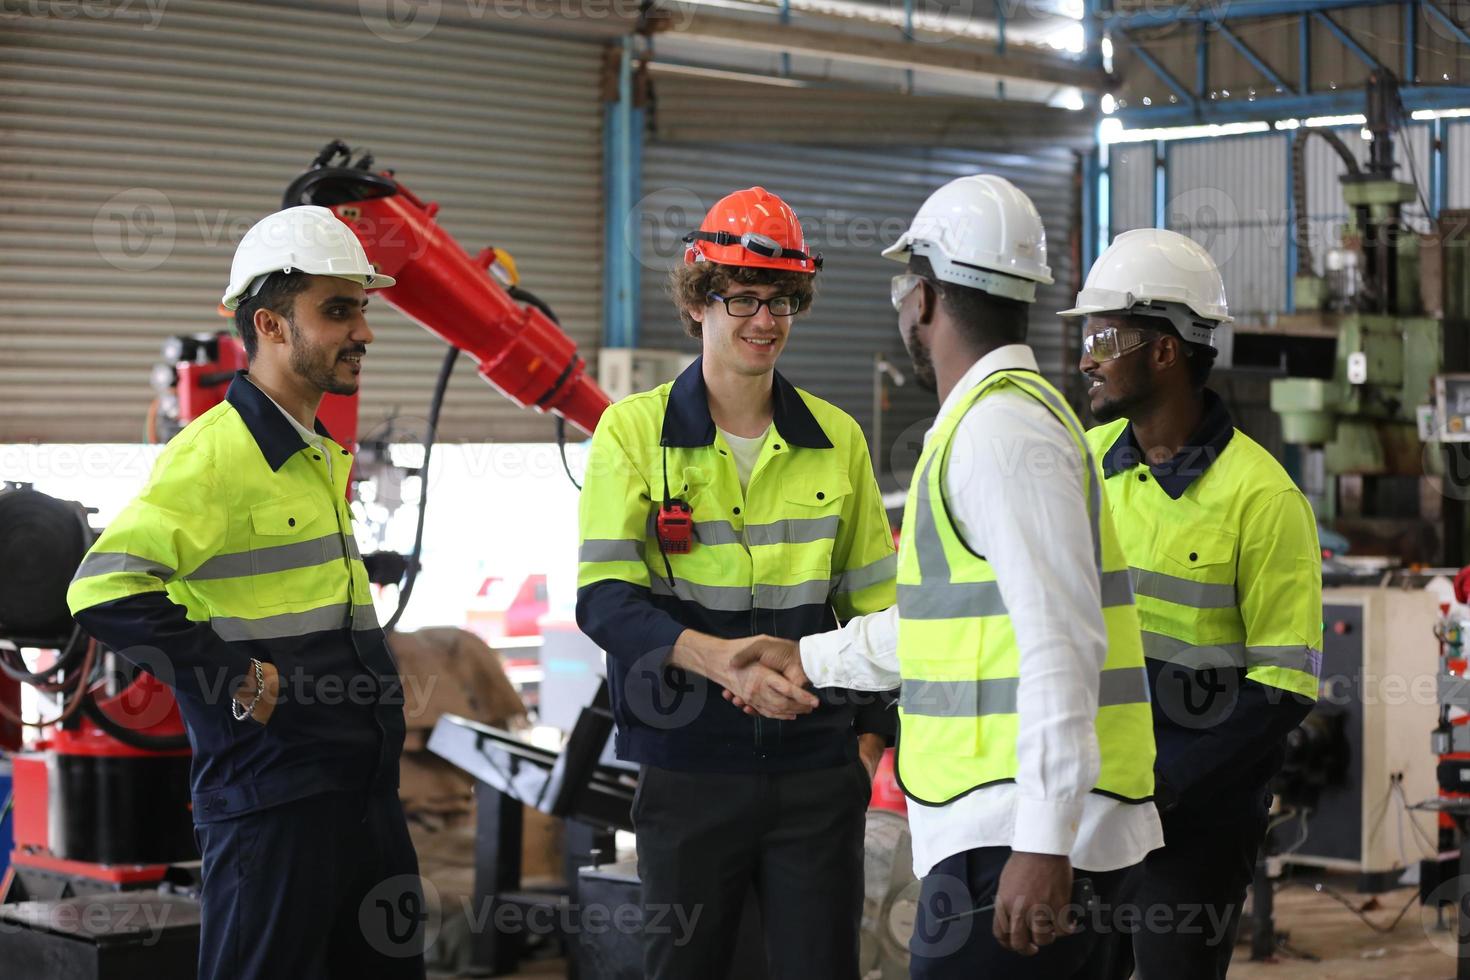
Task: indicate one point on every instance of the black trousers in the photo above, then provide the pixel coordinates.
(705, 839)
(965, 948)
(325, 886)
(1189, 895)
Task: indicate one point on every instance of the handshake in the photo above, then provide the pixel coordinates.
(762, 675)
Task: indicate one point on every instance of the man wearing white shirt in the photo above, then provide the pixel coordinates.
(1025, 746)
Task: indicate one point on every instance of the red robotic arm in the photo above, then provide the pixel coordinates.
(518, 347)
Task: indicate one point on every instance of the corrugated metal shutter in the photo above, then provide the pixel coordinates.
(135, 157)
(1229, 194)
(1457, 162)
(853, 201)
(1131, 186)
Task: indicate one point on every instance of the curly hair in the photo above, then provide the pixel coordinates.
(692, 284)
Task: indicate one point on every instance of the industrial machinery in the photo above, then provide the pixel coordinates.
(102, 799)
(1364, 346)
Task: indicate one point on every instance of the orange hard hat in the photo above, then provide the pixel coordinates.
(752, 227)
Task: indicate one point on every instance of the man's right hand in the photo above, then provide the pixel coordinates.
(762, 657)
(245, 693)
(736, 666)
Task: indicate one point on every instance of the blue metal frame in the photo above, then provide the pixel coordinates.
(1153, 64)
(1201, 62)
(1291, 252)
(1447, 21)
(1304, 50)
(1411, 41)
(622, 167)
(1360, 52)
(1257, 62)
(1235, 10)
(1335, 103)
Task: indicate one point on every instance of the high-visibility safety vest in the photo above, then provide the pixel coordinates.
(957, 648)
(247, 528)
(1229, 574)
(805, 543)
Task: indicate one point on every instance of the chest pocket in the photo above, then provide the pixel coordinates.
(808, 530)
(295, 551)
(1197, 566)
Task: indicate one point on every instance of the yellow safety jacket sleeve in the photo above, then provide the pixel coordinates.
(1279, 588)
(864, 560)
(120, 592)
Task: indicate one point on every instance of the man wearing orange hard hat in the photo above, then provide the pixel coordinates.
(720, 508)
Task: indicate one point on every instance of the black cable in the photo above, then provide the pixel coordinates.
(406, 589)
(561, 445)
(128, 736)
(1330, 892)
(14, 666)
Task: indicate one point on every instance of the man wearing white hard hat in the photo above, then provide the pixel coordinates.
(234, 578)
(1227, 571)
(1025, 746)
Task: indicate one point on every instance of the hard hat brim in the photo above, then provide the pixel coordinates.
(231, 300)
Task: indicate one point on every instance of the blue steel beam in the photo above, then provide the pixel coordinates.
(1411, 42)
(1215, 13)
(1153, 65)
(1336, 103)
(1347, 40)
(1304, 50)
(1256, 60)
(1448, 22)
(1201, 63)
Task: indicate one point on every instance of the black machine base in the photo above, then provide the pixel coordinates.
(119, 936)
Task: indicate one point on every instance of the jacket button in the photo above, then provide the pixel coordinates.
(1143, 478)
(315, 456)
(291, 522)
(737, 510)
(821, 495)
(344, 452)
(1194, 556)
(777, 446)
(723, 453)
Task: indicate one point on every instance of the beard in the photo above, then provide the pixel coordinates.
(923, 363)
(317, 365)
(1126, 393)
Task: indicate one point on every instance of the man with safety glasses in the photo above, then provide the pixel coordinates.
(720, 507)
(1227, 574)
(1026, 743)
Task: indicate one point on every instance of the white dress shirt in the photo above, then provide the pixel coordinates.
(1015, 491)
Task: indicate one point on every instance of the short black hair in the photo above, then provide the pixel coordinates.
(982, 318)
(1199, 359)
(277, 295)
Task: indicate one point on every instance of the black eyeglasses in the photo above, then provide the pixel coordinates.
(743, 306)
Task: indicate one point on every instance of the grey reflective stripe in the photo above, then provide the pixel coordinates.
(1183, 591)
(352, 551)
(813, 592)
(608, 549)
(793, 530)
(724, 598)
(1117, 589)
(873, 573)
(716, 532)
(1122, 685)
(283, 625)
(933, 563)
(1157, 646)
(266, 561)
(998, 696)
(1094, 487)
(960, 699)
(950, 600)
(365, 618)
(110, 562)
(1302, 658)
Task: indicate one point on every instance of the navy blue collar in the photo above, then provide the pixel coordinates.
(687, 422)
(1194, 457)
(277, 438)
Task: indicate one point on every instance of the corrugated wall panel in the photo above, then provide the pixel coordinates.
(853, 202)
(1229, 194)
(1131, 186)
(134, 159)
(1457, 164)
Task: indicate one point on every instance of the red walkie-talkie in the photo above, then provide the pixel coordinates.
(675, 527)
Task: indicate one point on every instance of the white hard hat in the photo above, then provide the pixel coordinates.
(307, 239)
(981, 232)
(1155, 272)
